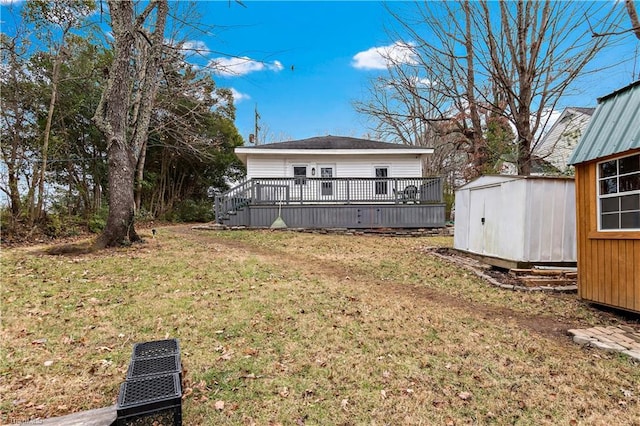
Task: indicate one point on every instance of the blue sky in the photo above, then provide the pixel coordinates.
(304, 63)
(310, 78)
(331, 46)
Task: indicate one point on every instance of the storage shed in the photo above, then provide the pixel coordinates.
(517, 221)
(607, 162)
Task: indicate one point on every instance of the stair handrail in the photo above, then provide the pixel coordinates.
(233, 199)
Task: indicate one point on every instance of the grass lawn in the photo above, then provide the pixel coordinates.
(303, 329)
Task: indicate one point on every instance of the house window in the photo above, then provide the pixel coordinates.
(619, 193)
(300, 175)
(381, 187)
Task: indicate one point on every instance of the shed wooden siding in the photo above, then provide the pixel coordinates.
(608, 262)
(345, 165)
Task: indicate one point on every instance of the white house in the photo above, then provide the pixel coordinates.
(346, 178)
(559, 142)
(333, 156)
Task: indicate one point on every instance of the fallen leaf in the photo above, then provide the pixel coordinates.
(250, 352)
(344, 403)
(284, 392)
(464, 396)
(219, 405)
(383, 393)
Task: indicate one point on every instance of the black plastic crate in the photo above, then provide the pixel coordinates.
(143, 367)
(156, 348)
(153, 400)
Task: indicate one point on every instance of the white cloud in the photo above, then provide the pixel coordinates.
(6, 2)
(238, 96)
(379, 58)
(233, 67)
(195, 45)
(188, 46)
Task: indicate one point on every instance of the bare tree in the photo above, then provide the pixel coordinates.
(499, 59)
(633, 15)
(54, 22)
(124, 112)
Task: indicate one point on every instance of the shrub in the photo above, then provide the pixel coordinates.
(192, 211)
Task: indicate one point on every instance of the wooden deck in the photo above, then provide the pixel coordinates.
(99, 417)
(357, 203)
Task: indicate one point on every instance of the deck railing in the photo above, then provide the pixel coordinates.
(285, 191)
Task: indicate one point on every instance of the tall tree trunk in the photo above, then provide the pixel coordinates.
(479, 145)
(124, 111)
(120, 222)
(140, 175)
(633, 15)
(47, 134)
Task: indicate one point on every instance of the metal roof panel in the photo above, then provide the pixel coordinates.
(614, 128)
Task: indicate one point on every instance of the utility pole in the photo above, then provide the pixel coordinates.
(257, 126)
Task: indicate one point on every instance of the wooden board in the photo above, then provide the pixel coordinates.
(98, 417)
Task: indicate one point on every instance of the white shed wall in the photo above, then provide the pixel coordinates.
(527, 220)
(550, 225)
(461, 220)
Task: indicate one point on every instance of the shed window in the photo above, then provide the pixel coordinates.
(300, 175)
(619, 193)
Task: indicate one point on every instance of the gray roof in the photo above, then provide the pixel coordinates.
(334, 142)
(614, 128)
(588, 111)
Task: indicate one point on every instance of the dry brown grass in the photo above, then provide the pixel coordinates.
(289, 328)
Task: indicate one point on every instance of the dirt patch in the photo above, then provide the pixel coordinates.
(547, 326)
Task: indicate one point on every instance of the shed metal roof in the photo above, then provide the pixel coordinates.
(614, 128)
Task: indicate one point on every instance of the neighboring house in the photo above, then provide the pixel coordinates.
(607, 171)
(517, 221)
(559, 142)
(334, 181)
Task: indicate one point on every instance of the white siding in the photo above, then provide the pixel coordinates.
(265, 167)
(558, 145)
(345, 165)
